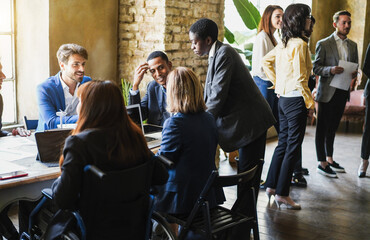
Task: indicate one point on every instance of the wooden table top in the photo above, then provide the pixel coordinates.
(23, 151)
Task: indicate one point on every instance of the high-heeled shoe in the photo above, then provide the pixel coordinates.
(362, 169)
(270, 192)
(288, 202)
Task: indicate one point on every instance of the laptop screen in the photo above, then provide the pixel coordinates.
(50, 144)
(134, 111)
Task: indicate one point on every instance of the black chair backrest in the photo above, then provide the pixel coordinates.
(116, 203)
(215, 180)
(30, 124)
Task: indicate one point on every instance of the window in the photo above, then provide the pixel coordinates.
(7, 60)
(236, 25)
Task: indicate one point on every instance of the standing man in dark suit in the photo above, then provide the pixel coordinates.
(153, 105)
(365, 146)
(332, 100)
(241, 112)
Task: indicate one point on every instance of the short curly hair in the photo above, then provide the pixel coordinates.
(204, 28)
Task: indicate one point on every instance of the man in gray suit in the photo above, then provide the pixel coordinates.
(241, 112)
(332, 100)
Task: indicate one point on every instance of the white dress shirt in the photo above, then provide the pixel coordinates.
(70, 100)
(342, 47)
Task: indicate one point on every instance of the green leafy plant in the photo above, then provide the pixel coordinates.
(126, 86)
(251, 18)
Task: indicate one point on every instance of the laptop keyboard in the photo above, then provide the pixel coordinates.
(149, 139)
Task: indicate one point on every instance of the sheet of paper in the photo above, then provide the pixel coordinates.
(343, 80)
(7, 167)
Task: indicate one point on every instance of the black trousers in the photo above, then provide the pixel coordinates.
(293, 119)
(249, 156)
(328, 119)
(365, 146)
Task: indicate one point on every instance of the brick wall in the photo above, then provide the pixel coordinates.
(148, 25)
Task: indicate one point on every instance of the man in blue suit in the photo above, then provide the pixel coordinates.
(153, 105)
(59, 92)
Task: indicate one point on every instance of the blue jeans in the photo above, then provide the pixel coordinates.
(271, 98)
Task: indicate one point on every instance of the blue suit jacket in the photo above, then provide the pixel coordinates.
(153, 105)
(50, 99)
(189, 140)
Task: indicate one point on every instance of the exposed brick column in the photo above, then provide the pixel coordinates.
(148, 25)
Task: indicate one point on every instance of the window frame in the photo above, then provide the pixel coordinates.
(12, 78)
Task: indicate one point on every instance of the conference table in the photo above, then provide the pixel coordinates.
(22, 151)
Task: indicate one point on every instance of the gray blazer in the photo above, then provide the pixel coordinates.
(326, 57)
(241, 112)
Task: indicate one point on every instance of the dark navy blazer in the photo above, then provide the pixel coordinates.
(50, 99)
(189, 140)
(153, 105)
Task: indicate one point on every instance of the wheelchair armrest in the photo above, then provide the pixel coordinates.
(166, 161)
(47, 192)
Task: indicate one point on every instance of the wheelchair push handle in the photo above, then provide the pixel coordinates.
(99, 173)
(166, 161)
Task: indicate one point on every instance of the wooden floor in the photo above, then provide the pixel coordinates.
(331, 208)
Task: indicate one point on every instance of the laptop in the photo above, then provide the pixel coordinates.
(50, 145)
(152, 133)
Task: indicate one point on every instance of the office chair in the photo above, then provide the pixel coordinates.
(30, 124)
(120, 199)
(212, 222)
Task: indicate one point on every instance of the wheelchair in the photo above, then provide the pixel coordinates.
(141, 222)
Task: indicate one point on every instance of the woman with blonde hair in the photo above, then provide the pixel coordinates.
(106, 137)
(189, 139)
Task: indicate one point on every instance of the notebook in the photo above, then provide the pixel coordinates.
(50, 145)
(152, 133)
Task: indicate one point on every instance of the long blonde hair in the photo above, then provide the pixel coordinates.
(184, 92)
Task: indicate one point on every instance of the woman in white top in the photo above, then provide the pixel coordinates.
(272, 19)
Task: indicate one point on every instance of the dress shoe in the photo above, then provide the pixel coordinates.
(363, 167)
(298, 180)
(270, 192)
(305, 171)
(3, 133)
(288, 202)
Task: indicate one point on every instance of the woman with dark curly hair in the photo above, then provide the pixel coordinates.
(290, 80)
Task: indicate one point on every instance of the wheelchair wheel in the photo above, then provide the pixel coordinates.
(161, 229)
